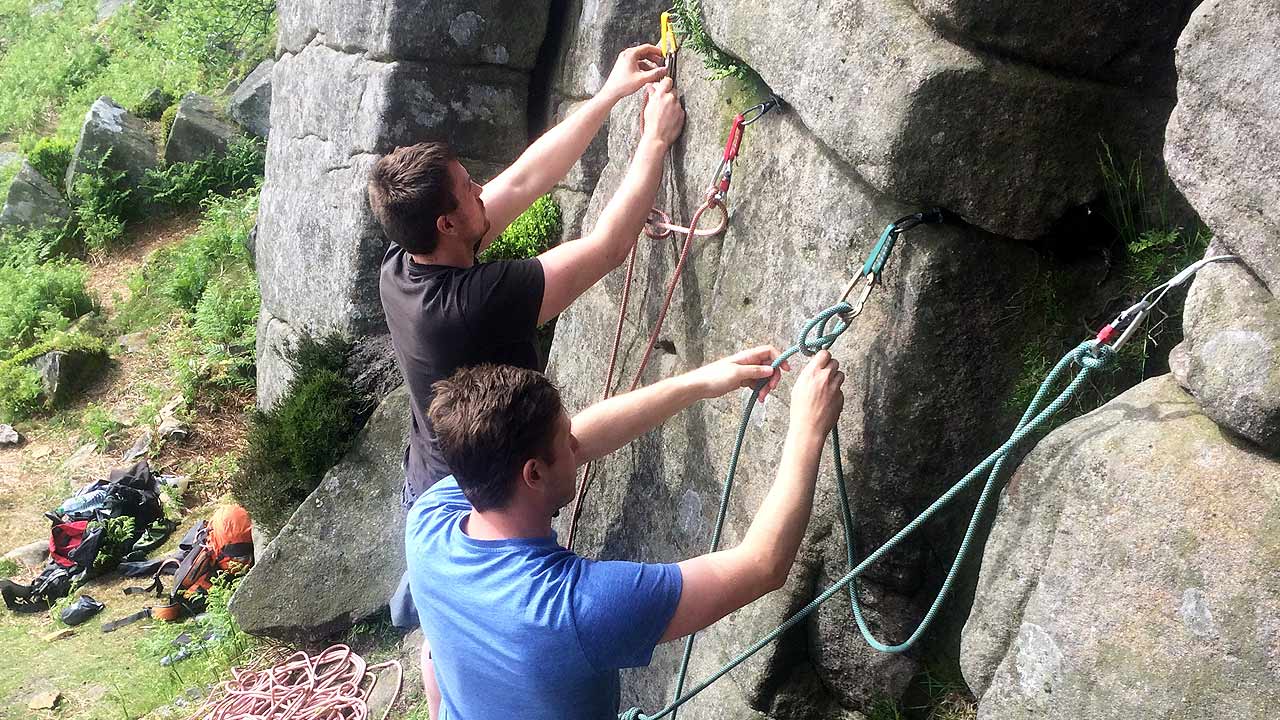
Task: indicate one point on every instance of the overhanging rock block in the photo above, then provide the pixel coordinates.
(1222, 145)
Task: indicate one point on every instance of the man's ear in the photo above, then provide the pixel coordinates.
(444, 224)
(531, 474)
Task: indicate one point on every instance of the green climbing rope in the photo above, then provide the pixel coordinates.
(1088, 356)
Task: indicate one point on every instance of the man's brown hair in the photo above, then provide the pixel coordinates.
(489, 420)
(409, 188)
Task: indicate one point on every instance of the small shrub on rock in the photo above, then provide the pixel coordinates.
(51, 156)
(21, 391)
(292, 445)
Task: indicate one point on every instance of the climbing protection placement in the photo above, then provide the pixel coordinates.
(1090, 356)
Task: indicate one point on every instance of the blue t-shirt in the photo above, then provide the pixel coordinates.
(523, 628)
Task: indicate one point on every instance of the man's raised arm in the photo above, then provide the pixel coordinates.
(718, 583)
(610, 424)
(549, 158)
(572, 267)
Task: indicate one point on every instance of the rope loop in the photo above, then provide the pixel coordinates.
(826, 338)
(1095, 355)
(632, 714)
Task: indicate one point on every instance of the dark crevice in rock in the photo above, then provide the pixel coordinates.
(541, 110)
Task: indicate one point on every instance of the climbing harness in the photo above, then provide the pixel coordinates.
(659, 227)
(334, 684)
(1090, 356)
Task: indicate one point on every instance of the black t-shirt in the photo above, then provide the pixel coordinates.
(444, 318)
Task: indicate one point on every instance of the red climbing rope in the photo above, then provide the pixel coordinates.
(659, 227)
(331, 685)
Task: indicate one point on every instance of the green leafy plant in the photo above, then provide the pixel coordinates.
(51, 156)
(226, 321)
(222, 34)
(687, 16)
(292, 445)
(185, 272)
(9, 568)
(36, 299)
(102, 202)
(528, 235)
(185, 184)
(118, 536)
(100, 427)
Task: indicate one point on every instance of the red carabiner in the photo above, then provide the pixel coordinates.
(735, 140)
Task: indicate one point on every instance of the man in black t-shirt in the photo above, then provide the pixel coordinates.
(445, 311)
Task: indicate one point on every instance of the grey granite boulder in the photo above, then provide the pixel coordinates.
(33, 202)
(933, 119)
(199, 131)
(9, 436)
(109, 127)
(342, 553)
(250, 104)
(1222, 146)
(108, 8)
(1132, 572)
(1230, 359)
(62, 372)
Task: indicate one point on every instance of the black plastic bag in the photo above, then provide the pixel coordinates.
(82, 609)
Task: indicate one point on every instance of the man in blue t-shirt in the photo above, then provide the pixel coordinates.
(520, 626)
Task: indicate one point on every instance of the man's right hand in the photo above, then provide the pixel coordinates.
(663, 117)
(817, 399)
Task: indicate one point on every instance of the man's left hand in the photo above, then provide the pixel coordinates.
(741, 370)
(635, 67)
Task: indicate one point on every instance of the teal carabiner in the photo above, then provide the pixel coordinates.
(880, 253)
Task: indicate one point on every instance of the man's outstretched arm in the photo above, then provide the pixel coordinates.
(718, 583)
(610, 424)
(549, 158)
(572, 267)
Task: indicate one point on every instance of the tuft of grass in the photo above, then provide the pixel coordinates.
(9, 568)
(529, 234)
(293, 444)
(692, 31)
(100, 427)
(51, 156)
(7, 172)
(1147, 249)
(38, 299)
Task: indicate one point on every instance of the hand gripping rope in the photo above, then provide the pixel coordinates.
(1089, 356)
(659, 227)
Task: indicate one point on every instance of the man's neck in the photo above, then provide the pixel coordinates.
(450, 255)
(507, 524)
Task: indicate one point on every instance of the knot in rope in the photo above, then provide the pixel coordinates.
(632, 714)
(819, 323)
(1094, 355)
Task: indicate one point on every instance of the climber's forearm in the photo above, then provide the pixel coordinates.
(542, 165)
(572, 267)
(773, 539)
(612, 423)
